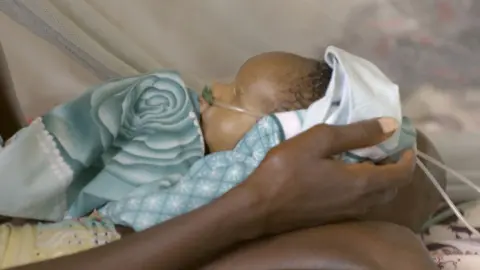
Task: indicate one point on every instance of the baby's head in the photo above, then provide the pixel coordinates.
(277, 81)
(266, 83)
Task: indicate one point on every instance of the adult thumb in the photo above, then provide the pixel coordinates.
(339, 139)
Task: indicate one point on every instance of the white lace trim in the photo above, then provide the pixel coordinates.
(196, 123)
(58, 165)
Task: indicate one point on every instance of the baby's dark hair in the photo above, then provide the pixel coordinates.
(311, 85)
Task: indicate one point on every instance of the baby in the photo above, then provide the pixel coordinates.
(265, 84)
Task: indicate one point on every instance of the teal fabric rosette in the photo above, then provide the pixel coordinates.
(126, 134)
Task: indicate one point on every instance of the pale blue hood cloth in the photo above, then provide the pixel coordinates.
(121, 135)
(358, 91)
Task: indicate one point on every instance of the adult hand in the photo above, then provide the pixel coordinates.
(299, 184)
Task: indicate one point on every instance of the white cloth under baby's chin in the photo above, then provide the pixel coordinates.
(358, 90)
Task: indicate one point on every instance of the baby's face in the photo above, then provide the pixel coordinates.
(223, 128)
(255, 89)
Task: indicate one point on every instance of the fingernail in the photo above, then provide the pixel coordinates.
(388, 124)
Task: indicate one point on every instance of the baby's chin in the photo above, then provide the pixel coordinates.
(207, 148)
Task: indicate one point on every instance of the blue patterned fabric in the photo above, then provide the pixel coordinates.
(208, 178)
(212, 176)
(134, 144)
(145, 128)
(122, 135)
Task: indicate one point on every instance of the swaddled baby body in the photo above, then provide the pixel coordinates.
(144, 165)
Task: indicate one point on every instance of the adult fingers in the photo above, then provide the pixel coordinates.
(381, 177)
(334, 140)
(371, 199)
(381, 197)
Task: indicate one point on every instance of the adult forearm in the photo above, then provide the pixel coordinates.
(288, 183)
(181, 243)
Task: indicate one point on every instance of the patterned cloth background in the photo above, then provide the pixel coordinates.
(451, 244)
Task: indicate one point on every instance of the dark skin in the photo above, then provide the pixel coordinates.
(256, 88)
(259, 87)
(416, 202)
(263, 211)
(383, 246)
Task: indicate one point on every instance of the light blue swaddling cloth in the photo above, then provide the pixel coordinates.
(212, 176)
(206, 180)
(122, 135)
(358, 91)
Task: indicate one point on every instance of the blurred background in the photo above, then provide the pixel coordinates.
(58, 48)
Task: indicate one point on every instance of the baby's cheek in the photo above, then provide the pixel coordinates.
(216, 135)
(229, 132)
(238, 127)
(223, 129)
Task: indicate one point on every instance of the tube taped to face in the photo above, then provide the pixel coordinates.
(207, 95)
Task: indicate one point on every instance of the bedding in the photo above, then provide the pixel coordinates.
(450, 244)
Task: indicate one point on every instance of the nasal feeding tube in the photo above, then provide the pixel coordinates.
(210, 99)
(207, 95)
(442, 192)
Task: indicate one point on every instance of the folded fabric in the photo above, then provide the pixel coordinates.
(206, 180)
(358, 90)
(102, 146)
(209, 178)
